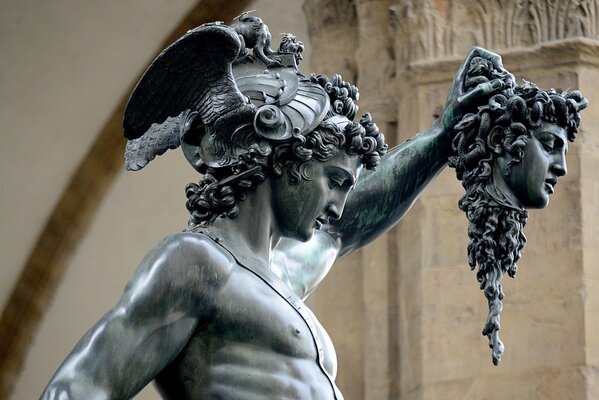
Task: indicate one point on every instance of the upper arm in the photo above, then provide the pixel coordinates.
(165, 301)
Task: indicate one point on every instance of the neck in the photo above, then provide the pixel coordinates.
(252, 235)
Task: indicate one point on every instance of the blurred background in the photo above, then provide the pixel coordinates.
(405, 313)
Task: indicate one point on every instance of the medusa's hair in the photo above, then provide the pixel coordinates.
(221, 190)
(495, 227)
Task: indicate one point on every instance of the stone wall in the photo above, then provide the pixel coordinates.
(407, 312)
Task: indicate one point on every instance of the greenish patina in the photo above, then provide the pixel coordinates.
(290, 183)
(509, 155)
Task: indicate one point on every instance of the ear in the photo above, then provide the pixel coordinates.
(277, 163)
(192, 148)
(495, 139)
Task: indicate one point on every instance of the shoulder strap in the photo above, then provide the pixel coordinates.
(268, 277)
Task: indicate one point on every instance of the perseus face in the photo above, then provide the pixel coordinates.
(529, 183)
(301, 207)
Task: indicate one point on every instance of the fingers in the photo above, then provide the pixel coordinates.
(481, 92)
(494, 58)
(473, 84)
(476, 51)
(457, 88)
(486, 54)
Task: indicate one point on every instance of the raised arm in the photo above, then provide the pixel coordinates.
(162, 305)
(382, 197)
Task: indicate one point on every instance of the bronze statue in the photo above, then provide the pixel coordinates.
(290, 183)
(509, 155)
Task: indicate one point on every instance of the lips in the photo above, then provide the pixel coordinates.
(550, 185)
(320, 221)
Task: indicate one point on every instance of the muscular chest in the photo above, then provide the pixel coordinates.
(250, 311)
(256, 341)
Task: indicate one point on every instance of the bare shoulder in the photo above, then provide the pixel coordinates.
(182, 271)
(191, 252)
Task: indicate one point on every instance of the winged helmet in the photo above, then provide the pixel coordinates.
(208, 94)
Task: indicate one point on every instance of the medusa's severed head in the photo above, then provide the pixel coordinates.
(509, 156)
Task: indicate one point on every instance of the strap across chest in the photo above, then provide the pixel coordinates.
(270, 279)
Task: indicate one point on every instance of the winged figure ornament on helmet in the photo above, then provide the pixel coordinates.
(209, 95)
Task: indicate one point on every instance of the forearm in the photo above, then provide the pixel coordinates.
(86, 371)
(382, 197)
(69, 389)
(115, 360)
(119, 356)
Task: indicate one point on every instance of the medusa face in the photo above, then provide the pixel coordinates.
(529, 182)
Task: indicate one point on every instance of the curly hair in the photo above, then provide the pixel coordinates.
(221, 189)
(495, 226)
(343, 95)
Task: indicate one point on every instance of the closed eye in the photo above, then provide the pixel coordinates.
(336, 182)
(333, 183)
(548, 146)
(551, 141)
(340, 178)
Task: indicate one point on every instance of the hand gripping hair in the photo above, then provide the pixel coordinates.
(239, 116)
(495, 225)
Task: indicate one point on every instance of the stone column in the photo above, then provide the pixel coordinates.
(333, 36)
(376, 77)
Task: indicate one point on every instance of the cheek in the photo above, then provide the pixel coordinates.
(307, 199)
(311, 201)
(536, 166)
(530, 179)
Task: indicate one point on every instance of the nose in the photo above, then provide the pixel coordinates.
(336, 204)
(333, 211)
(559, 167)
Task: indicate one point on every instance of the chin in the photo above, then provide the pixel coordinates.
(302, 236)
(538, 204)
(306, 236)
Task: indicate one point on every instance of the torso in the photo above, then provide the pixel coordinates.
(258, 345)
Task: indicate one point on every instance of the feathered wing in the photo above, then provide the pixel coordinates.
(193, 75)
(157, 140)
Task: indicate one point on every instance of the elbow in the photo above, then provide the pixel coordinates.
(57, 390)
(60, 389)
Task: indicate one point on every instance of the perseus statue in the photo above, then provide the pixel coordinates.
(290, 181)
(509, 155)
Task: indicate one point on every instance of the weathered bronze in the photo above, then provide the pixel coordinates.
(290, 183)
(508, 155)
